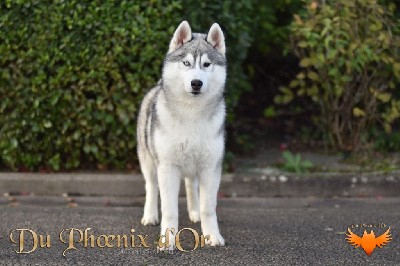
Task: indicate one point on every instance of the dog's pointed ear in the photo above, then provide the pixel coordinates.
(182, 35)
(216, 38)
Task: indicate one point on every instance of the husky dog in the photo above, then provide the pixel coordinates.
(181, 131)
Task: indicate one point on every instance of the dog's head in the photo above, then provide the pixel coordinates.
(195, 64)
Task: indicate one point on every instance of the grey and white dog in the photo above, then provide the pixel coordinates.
(181, 131)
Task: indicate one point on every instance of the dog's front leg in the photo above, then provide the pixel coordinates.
(169, 182)
(209, 184)
(192, 195)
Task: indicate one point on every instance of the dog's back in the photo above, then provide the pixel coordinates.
(145, 125)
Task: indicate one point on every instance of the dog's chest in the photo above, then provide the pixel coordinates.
(190, 139)
(189, 144)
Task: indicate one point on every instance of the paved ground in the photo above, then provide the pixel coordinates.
(275, 231)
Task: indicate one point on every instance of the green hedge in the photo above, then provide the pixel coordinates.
(73, 74)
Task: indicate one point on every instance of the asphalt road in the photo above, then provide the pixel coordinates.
(275, 231)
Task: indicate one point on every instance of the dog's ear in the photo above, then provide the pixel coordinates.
(182, 35)
(216, 38)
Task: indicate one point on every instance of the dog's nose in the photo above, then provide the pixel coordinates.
(196, 84)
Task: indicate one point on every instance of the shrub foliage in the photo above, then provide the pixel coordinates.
(72, 77)
(73, 74)
(349, 55)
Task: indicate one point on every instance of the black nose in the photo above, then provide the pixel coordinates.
(196, 84)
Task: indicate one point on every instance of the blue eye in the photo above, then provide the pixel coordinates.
(186, 63)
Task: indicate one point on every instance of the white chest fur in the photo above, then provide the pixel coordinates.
(190, 139)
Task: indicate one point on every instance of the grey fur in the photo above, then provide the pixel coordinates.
(221, 130)
(169, 102)
(197, 46)
(213, 105)
(154, 123)
(147, 121)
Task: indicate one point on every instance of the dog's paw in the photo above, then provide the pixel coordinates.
(215, 240)
(169, 249)
(150, 220)
(194, 216)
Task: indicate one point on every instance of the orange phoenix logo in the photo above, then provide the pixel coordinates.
(368, 241)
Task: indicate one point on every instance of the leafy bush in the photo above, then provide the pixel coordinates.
(384, 141)
(350, 66)
(270, 27)
(72, 76)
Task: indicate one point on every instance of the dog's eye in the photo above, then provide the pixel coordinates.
(186, 63)
(206, 64)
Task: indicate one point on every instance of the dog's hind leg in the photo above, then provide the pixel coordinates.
(150, 215)
(192, 196)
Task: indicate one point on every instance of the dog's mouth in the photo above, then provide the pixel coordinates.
(195, 93)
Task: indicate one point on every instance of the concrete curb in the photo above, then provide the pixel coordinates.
(232, 185)
(72, 183)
